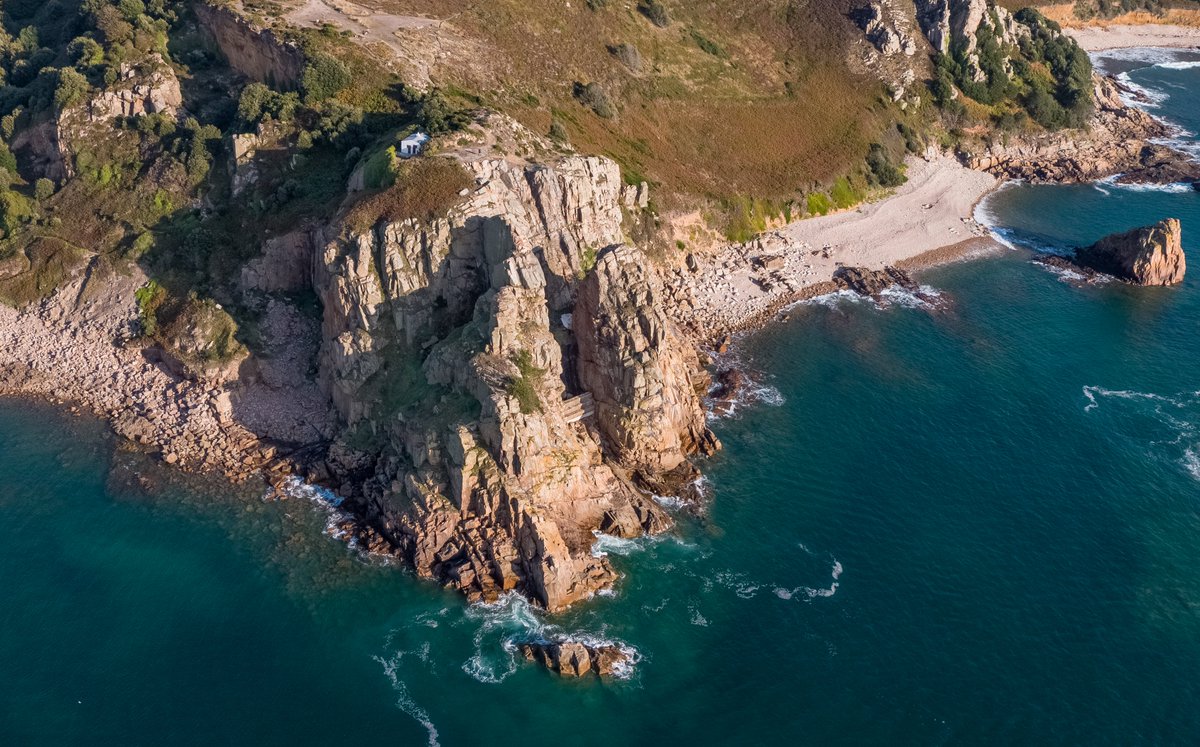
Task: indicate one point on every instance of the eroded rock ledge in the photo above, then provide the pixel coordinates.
(508, 379)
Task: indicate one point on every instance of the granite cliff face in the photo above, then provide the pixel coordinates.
(1152, 255)
(465, 370)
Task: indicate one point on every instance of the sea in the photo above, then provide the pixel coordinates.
(975, 521)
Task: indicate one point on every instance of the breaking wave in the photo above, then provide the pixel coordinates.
(329, 504)
(510, 621)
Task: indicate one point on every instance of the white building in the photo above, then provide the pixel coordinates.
(413, 144)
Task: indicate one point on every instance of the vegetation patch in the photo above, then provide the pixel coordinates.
(424, 189)
(524, 387)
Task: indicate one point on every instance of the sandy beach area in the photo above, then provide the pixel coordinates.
(927, 220)
(1117, 36)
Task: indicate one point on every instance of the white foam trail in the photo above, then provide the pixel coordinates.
(1173, 188)
(894, 294)
(810, 592)
(1179, 414)
(1191, 462)
(1150, 55)
(404, 700)
(330, 504)
(1146, 98)
(1179, 65)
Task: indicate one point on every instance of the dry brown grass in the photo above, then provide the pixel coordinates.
(1064, 14)
(425, 189)
(780, 112)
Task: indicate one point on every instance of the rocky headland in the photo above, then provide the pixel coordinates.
(490, 384)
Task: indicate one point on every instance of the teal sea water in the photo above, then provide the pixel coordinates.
(973, 525)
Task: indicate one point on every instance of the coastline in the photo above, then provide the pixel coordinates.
(72, 350)
(927, 221)
(1099, 38)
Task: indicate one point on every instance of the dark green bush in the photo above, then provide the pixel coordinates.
(881, 169)
(323, 77)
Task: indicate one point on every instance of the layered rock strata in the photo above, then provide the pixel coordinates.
(487, 435)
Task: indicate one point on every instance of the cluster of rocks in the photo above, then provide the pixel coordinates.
(80, 352)
(150, 87)
(1151, 255)
(578, 659)
(950, 23)
(891, 55)
(1120, 139)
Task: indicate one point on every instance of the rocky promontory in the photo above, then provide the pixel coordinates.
(1151, 255)
(509, 382)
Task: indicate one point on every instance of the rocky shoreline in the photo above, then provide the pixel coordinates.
(494, 386)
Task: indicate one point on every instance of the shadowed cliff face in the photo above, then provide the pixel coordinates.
(451, 353)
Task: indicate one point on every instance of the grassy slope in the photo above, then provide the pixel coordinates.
(775, 111)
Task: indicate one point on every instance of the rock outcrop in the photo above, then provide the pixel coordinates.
(639, 370)
(577, 659)
(450, 350)
(257, 53)
(950, 23)
(1120, 139)
(1152, 255)
(148, 88)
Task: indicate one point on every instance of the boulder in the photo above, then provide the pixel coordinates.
(577, 659)
(872, 283)
(1152, 255)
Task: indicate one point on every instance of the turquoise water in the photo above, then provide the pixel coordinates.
(974, 525)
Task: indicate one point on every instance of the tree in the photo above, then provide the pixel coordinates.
(71, 88)
(438, 117)
(43, 189)
(251, 102)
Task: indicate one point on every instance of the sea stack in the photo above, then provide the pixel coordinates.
(1152, 255)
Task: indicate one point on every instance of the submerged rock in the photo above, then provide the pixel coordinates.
(576, 659)
(1151, 255)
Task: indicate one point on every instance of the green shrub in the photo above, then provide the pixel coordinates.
(818, 204)
(15, 211)
(323, 77)
(70, 89)
(524, 387)
(43, 189)
(843, 193)
(438, 117)
(150, 298)
(881, 169)
(85, 51)
(558, 131)
(380, 169)
(140, 245)
(707, 45)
